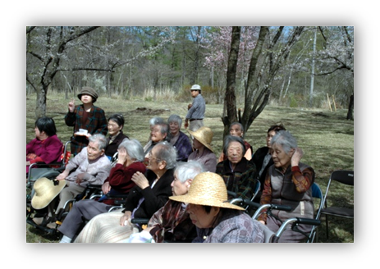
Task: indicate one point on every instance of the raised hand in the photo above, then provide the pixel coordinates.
(71, 105)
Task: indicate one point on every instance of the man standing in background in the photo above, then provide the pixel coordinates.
(196, 110)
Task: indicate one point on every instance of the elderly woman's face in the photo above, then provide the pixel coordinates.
(280, 158)
(174, 127)
(196, 144)
(113, 127)
(178, 187)
(86, 99)
(234, 152)
(93, 151)
(200, 217)
(236, 131)
(156, 135)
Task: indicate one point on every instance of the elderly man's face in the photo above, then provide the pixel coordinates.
(93, 151)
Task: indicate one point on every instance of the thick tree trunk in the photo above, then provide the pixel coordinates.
(230, 98)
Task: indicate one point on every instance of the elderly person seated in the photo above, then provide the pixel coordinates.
(288, 182)
(262, 157)
(217, 220)
(237, 129)
(238, 173)
(202, 148)
(178, 139)
(159, 132)
(91, 166)
(130, 160)
(45, 147)
(171, 223)
(150, 194)
(116, 136)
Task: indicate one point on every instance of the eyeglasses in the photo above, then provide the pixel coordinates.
(151, 157)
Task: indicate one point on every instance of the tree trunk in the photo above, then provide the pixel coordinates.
(41, 102)
(350, 113)
(230, 98)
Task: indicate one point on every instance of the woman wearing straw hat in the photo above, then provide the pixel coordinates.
(202, 148)
(239, 174)
(171, 223)
(217, 220)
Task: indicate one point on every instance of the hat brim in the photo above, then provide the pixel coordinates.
(41, 200)
(200, 139)
(188, 199)
(93, 98)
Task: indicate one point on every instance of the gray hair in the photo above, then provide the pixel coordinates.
(133, 148)
(100, 139)
(156, 120)
(164, 129)
(284, 139)
(237, 123)
(188, 170)
(175, 118)
(166, 152)
(231, 138)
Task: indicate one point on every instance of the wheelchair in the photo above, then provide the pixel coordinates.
(274, 237)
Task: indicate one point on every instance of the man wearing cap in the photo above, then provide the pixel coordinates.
(86, 119)
(196, 110)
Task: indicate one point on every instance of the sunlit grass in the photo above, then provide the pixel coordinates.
(326, 138)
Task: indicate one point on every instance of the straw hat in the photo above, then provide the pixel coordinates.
(46, 190)
(203, 135)
(208, 189)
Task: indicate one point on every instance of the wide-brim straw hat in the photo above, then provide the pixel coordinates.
(45, 191)
(90, 91)
(204, 135)
(207, 189)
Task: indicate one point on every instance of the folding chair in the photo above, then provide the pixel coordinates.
(344, 177)
(316, 193)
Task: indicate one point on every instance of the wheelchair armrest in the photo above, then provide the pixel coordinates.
(308, 221)
(113, 196)
(140, 221)
(231, 193)
(270, 207)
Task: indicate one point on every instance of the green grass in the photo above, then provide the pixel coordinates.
(326, 138)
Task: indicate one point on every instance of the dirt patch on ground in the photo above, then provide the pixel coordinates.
(149, 111)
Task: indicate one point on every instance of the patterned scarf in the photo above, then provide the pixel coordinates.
(173, 213)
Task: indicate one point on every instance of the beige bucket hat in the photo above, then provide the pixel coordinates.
(45, 191)
(204, 135)
(207, 189)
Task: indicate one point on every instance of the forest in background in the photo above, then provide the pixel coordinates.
(148, 61)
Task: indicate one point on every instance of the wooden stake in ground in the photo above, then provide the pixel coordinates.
(333, 97)
(328, 100)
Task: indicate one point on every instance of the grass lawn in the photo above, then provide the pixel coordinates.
(326, 138)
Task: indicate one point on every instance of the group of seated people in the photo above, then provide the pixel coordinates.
(175, 181)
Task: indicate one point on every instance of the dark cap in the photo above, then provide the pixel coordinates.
(89, 91)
